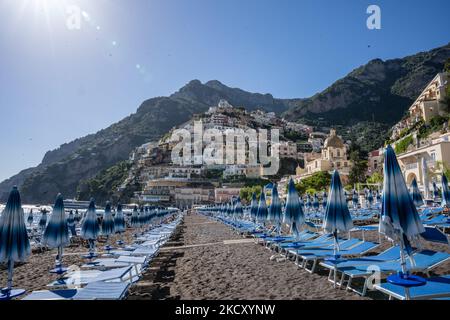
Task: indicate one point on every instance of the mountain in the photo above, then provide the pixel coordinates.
(377, 93)
(63, 169)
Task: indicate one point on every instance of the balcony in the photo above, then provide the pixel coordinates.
(411, 166)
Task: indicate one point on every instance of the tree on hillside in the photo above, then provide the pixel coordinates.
(317, 182)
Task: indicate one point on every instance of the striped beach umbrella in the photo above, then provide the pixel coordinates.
(400, 220)
(315, 202)
(108, 221)
(77, 216)
(30, 217)
(90, 227)
(435, 191)
(43, 220)
(56, 235)
(119, 220)
(238, 212)
(275, 213)
(261, 214)
(355, 198)
(308, 202)
(445, 191)
(324, 199)
(14, 243)
(293, 214)
(370, 197)
(71, 223)
(253, 207)
(415, 193)
(337, 216)
(135, 218)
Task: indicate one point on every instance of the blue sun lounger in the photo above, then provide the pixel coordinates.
(92, 291)
(435, 288)
(425, 260)
(347, 249)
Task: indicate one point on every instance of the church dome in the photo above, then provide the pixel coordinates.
(333, 140)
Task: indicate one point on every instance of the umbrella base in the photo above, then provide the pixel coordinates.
(90, 256)
(120, 243)
(59, 270)
(407, 280)
(8, 294)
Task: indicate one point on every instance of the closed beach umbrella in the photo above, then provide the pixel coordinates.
(426, 191)
(415, 194)
(238, 212)
(315, 203)
(355, 198)
(108, 221)
(135, 218)
(337, 216)
(30, 217)
(14, 243)
(56, 235)
(71, 223)
(435, 190)
(261, 214)
(370, 197)
(445, 191)
(400, 220)
(43, 220)
(324, 199)
(119, 220)
(77, 216)
(293, 215)
(90, 227)
(308, 202)
(275, 214)
(253, 207)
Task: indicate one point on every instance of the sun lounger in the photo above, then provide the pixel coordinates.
(92, 291)
(424, 261)
(435, 288)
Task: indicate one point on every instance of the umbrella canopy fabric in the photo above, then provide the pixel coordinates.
(238, 212)
(135, 218)
(90, 227)
(57, 232)
(43, 219)
(337, 216)
(398, 212)
(324, 199)
(14, 242)
(355, 197)
(274, 211)
(30, 217)
(119, 220)
(415, 193)
(370, 197)
(445, 191)
(315, 203)
(293, 215)
(261, 214)
(108, 221)
(435, 190)
(71, 223)
(253, 206)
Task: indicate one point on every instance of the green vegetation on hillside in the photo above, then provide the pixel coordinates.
(403, 144)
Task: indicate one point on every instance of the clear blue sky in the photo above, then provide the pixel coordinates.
(57, 84)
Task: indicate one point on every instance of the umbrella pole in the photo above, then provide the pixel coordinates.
(10, 275)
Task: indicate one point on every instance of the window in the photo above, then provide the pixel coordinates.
(338, 153)
(433, 155)
(338, 164)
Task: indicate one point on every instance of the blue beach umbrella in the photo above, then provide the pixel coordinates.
(90, 227)
(14, 243)
(315, 203)
(435, 190)
(400, 220)
(415, 194)
(370, 197)
(43, 220)
(77, 216)
(324, 199)
(261, 214)
(445, 191)
(337, 216)
(253, 207)
(275, 214)
(108, 221)
(135, 218)
(30, 217)
(238, 212)
(355, 198)
(308, 202)
(119, 220)
(293, 214)
(56, 235)
(71, 223)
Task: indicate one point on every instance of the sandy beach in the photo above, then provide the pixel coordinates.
(207, 260)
